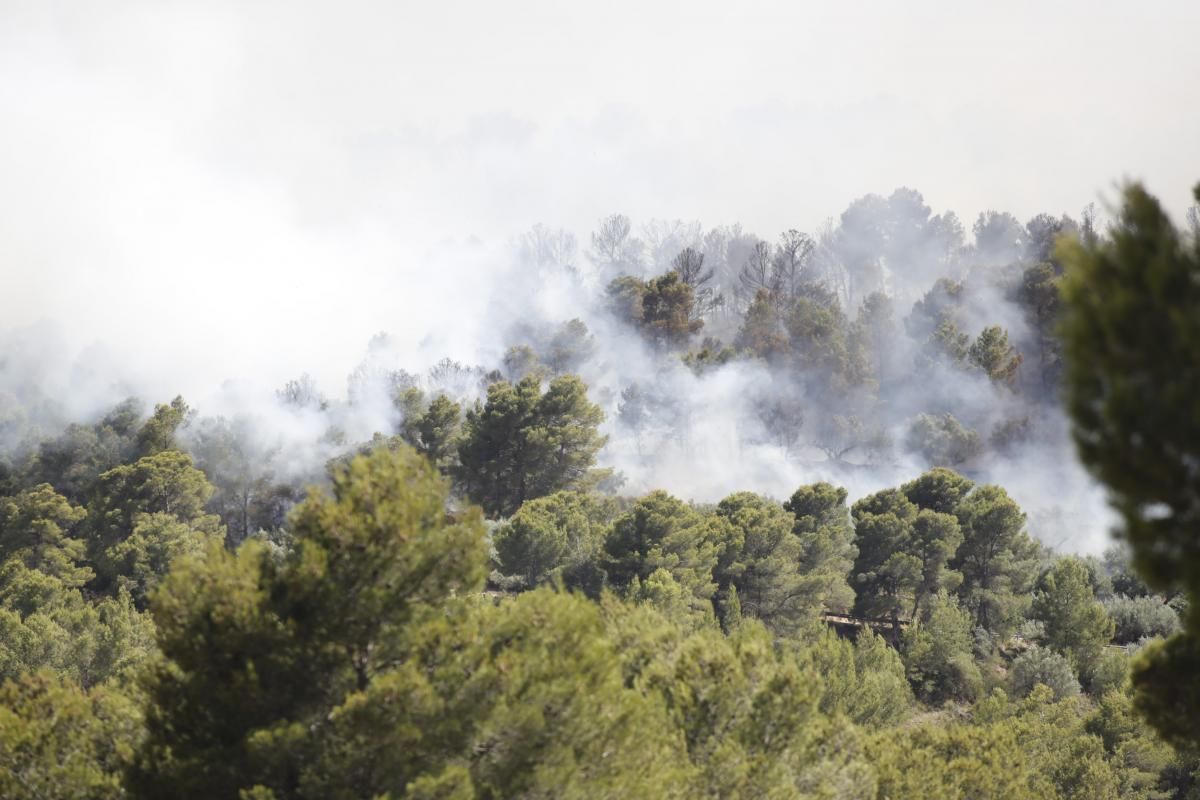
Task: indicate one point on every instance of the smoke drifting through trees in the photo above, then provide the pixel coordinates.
(888, 341)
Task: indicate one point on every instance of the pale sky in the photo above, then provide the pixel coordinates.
(196, 183)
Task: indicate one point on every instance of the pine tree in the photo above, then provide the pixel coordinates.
(523, 443)
(1131, 334)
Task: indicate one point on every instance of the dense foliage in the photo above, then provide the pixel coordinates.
(1133, 337)
(355, 655)
(465, 605)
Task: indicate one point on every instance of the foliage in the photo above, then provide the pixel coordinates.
(863, 679)
(946, 345)
(569, 347)
(523, 699)
(640, 647)
(138, 563)
(903, 552)
(1165, 687)
(940, 489)
(761, 560)
(943, 440)
(710, 356)
(71, 461)
(667, 318)
(1110, 672)
(360, 658)
(826, 534)
(1119, 568)
(255, 651)
(1147, 759)
(886, 572)
(762, 331)
(1039, 295)
(992, 353)
(247, 496)
(434, 431)
(997, 559)
(662, 309)
(1075, 624)
(1038, 665)
(47, 624)
(36, 528)
(158, 433)
(625, 294)
(1129, 324)
(944, 762)
(164, 483)
(523, 443)
(59, 741)
(660, 531)
(1037, 747)
(558, 535)
(940, 304)
(821, 344)
(937, 654)
(747, 715)
(1142, 617)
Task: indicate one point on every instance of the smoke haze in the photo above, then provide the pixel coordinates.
(214, 198)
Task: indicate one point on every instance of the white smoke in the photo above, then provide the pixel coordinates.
(211, 199)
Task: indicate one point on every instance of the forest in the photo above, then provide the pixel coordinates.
(708, 515)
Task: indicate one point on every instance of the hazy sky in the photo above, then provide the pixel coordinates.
(199, 183)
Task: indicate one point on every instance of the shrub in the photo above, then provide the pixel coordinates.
(1039, 665)
(1140, 617)
(1109, 673)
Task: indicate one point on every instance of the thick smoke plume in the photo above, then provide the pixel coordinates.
(214, 199)
(702, 419)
